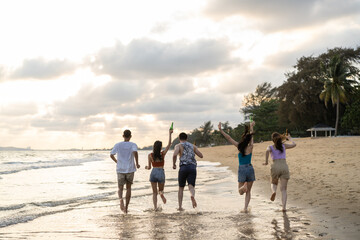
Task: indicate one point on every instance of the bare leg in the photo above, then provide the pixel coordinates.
(161, 192)
(120, 192)
(128, 196)
(192, 192)
(180, 198)
(248, 195)
(153, 185)
(242, 187)
(274, 184)
(283, 189)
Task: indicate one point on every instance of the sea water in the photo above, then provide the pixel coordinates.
(40, 183)
(73, 195)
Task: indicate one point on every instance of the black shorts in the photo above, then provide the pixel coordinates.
(187, 173)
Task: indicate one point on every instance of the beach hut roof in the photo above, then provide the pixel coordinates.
(321, 127)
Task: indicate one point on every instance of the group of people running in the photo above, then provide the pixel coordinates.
(127, 161)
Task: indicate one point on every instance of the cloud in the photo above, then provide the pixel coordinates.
(145, 58)
(42, 69)
(160, 28)
(283, 14)
(136, 97)
(192, 102)
(104, 99)
(50, 123)
(174, 86)
(320, 42)
(246, 80)
(2, 73)
(18, 109)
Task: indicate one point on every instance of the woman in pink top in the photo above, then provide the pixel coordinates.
(279, 168)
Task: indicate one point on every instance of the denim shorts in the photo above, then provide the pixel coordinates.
(246, 173)
(157, 175)
(187, 173)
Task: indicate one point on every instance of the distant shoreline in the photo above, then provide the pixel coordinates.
(145, 148)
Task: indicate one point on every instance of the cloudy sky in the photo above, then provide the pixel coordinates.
(75, 74)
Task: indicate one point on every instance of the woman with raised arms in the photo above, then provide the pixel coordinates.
(246, 173)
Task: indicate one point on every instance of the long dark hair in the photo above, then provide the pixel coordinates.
(277, 139)
(245, 140)
(157, 151)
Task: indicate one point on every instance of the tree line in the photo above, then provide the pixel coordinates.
(320, 89)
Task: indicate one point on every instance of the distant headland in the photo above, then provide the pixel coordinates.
(15, 149)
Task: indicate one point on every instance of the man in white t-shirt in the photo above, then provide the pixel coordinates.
(125, 152)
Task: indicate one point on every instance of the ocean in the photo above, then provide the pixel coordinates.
(73, 195)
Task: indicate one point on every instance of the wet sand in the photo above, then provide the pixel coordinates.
(323, 202)
(218, 216)
(324, 182)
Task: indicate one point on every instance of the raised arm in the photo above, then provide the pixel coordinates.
(169, 143)
(227, 137)
(176, 152)
(291, 145)
(252, 124)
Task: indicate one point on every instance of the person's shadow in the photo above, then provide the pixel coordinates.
(285, 233)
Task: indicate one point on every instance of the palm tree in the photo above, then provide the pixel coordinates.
(336, 83)
(206, 130)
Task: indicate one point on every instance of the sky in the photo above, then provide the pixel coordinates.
(76, 74)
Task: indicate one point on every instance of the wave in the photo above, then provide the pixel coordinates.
(83, 200)
(12, 207)
(16, 166)
(102, 183)
(24, 215)
(15, 219)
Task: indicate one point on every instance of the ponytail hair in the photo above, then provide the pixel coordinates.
(277, 139)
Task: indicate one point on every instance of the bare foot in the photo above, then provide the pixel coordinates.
(122, 207)
(193, 202)
(180, 209)
(243, 189)
(246, 210)
(272, 198)
(158, 209)
(162, 197)
(284, 210)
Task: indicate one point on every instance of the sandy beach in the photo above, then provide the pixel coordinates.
(323, 197)
(324, 181)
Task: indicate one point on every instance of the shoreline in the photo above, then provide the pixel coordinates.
(322, 183)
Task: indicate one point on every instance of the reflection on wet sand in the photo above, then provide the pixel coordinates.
(218, 216)
(244, 226)
(211, 225)
(285, 233)
(189, 226)
(158, 226)
(126, 226)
